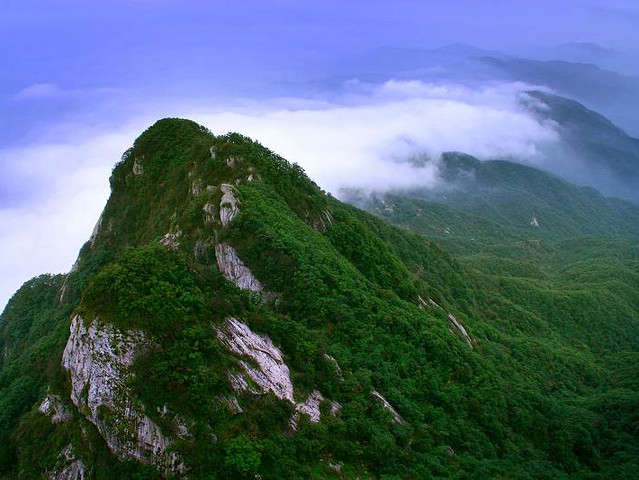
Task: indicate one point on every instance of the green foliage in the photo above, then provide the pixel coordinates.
(243, 456)
(188, 372)
(149, 287)
(33, 329)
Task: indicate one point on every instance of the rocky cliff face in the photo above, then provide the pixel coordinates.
(267, 371)
(99, 357)
(234, 269)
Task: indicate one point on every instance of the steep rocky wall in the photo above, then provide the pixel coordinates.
(268, 370)
(234, 269)
(99, 357)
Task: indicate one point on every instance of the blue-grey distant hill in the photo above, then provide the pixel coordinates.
(614, 94)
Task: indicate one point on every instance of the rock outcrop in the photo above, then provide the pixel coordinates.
(138, 168)
(99, 357)
(53, 407)
(336, 367)
(196, 187)
(271, 373)
(209, 213)
(234, 269)
(323, 221)
(228, 205)
(311, 406)
(96, 229)
(460, 328)
(267, 371)
(453, 320)
(68, 467)
(172, 239)
(397, 418)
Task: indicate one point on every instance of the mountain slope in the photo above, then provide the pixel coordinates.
(599, 153)
(485, 201)
(228, 319)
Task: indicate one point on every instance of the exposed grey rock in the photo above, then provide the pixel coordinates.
(232, 404)
(423, 305)
(232, 161)
(335, 407)
(201, 247)
(323, 221)
(387, 207)
(178, 423)
(234, 270)
(65, 286)
(213, 152)
(454, 322)
(53, 407)
(239, 383)
(96, 229)
(228, 205)
(421, 302)
(311, 406)
(172, 239)
(68, 467)
(209, 213)
(268, 371)
(397, 418)
(338, 370)
(271, 373)
(196, 187)
(138, 168)
(182, 427)
(99, 357)
(460, 328)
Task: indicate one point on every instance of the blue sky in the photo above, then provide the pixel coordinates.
(81, 79)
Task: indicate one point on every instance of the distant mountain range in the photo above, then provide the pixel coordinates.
(613, 94)
(594, 151)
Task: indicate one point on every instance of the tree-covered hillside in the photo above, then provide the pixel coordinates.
(231, 320)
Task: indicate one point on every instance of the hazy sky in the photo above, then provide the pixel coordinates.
(81, 79)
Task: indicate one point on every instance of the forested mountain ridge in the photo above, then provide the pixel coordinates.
(228, 319)
(596, 152)
(486, 201)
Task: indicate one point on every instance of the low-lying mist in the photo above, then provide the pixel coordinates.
(365, 138)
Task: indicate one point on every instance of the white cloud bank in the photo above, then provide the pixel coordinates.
(66, 186)
(362, 140)
(357, 140)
